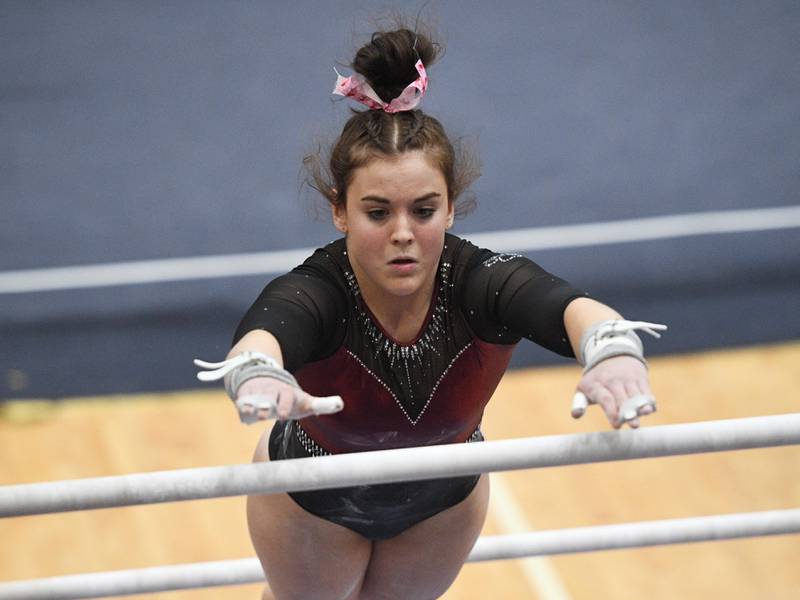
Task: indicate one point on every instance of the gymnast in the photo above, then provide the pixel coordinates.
(396, 335)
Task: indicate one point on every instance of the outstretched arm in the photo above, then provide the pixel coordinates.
(616, 374)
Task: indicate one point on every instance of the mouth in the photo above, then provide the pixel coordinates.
(403, 260)
(404, 265)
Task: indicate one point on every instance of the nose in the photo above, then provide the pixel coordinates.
(402, 233)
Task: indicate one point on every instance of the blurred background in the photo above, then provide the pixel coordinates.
(154, 131)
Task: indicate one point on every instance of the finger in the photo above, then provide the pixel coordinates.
(247, 413)
(620, 394)
(602, 396)
(632, 407)
(646, 404)
(630, 411)
(287, 399)
(632, 388)
(648, 408)
(310, 405)
(644, 387)
(327, 405)
(579, 405)
(262, 414)
(260, 406)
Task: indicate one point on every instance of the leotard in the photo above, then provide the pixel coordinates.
(430, 391)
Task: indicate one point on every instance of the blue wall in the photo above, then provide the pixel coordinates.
(147, 130)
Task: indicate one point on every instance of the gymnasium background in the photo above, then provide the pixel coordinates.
(152, 131)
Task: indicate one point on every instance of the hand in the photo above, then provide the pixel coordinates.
(620, 386)
(264, 398)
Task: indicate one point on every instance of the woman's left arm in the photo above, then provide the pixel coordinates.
(615, 376)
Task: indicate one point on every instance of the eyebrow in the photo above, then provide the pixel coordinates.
(382, 200)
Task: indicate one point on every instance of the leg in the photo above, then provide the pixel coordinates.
(303, 556)
(423, 561)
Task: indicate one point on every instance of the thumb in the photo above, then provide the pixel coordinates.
(579, 405)
(325, 405)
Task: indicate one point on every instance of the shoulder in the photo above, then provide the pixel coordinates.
(460, 253)
(318, 282)
(327, 264)
(330, 258)
(465, 257)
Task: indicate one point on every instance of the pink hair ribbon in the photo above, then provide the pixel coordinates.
(357, 88)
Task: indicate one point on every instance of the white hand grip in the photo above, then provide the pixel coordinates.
(327, 405)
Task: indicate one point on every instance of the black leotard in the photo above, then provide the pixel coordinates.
(430, 391)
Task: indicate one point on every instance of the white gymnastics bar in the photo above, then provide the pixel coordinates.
(385, 466)
(499, 547)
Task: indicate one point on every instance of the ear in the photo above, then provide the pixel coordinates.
(450, 215)
(339, 216)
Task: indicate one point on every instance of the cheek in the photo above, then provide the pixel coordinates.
(431, 239)
(364, 235)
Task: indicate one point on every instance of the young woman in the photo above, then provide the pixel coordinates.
(407, 330)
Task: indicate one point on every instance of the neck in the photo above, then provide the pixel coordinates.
(401, 317)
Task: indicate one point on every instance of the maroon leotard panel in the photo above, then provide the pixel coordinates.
(373, 417)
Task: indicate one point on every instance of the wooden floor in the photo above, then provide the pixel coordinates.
(89, 437)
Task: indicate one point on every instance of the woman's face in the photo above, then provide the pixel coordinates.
(395, 217)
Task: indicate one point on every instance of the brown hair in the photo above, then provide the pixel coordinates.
(387, 62)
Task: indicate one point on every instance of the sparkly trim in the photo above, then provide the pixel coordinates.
(477, 436)
(309, 445)
(500, 258)
(433, 330)
(314, 449)
(438, 381)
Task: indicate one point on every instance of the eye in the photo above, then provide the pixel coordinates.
(425, 212)
(377, 214)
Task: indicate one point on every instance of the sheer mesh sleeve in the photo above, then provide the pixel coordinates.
(304, 310)
(508, 297)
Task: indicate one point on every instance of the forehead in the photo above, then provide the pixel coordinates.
(407, 174)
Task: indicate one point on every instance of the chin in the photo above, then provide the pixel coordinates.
(402, 288)
(402, 291)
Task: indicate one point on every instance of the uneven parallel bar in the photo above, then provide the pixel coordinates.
(500, 547)
(404, 464)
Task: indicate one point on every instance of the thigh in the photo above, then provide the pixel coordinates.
(423, 561)
(304, 556)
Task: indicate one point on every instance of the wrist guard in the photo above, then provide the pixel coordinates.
(614, 338)
(241, 368)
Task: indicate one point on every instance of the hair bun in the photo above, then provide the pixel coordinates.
(388, 60)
